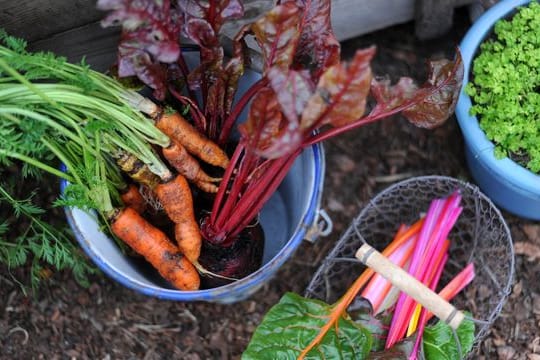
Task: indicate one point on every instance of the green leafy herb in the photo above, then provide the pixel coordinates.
(290, 325)
(440, 343)
(505, 87)
(40, 243)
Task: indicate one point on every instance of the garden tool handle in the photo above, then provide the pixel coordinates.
(410, 285)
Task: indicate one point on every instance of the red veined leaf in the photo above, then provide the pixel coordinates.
(133, 61)
(439, 94)
(318, 48)
(201, 31)
(389, 96)
(266, 130)
(293, 90)
(341, 93)
(214, 104)
(149, 37)
(203, 21)
(277, 34)
(235, 67)
(231, 9)
(215, 12)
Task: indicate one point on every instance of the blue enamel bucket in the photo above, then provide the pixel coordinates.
(287, 219)
(509, 185)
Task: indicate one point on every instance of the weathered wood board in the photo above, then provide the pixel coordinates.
(97, 45)
(39, 19)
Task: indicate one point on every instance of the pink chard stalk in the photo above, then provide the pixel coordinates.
(305, 94)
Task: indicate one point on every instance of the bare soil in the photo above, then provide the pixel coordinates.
(108, 321)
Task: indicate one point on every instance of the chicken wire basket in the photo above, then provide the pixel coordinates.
(480, 236)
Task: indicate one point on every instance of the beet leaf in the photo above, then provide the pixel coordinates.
(277, 34)
(428, 106)
(340, 97)
(445, 76)
(149, 39)
(264, 122)
(318, 48)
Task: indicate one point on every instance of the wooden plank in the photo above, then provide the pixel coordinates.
(96, 44)
(34, 20)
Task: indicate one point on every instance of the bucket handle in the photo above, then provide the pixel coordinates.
(322, 226)
(410, 285)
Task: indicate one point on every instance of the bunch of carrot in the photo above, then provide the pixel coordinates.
(89, 123)
(422, 250)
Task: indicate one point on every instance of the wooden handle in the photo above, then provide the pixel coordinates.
(411, 286)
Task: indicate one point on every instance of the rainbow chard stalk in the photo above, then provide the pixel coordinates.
(377, 291)
(440, 218)
(423, 249)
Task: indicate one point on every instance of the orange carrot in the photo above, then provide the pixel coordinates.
(185, 164)
(156, 248)
(132, 198)
(175, 196)
(136, 169)
(178, 129)
(188, 238)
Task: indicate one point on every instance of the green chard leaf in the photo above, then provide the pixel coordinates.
(440, 344)
(290, 326)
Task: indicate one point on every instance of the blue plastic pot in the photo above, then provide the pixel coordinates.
(509, 185)
(286, 219)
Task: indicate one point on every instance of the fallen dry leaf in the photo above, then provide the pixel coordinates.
(532, 232)
(506, 352)
(528, 249)
(533, 357)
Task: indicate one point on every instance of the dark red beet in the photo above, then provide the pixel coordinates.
(240, 259)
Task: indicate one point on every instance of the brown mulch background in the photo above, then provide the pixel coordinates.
(107, 321)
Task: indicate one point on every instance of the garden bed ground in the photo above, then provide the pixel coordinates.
(107, 321)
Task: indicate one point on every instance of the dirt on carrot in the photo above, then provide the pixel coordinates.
(188, 166)
(156, 248)
(176, 199)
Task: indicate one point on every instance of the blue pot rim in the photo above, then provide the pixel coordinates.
(234, 290)
(475, 138)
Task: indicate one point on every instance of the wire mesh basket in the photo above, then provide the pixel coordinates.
(480, 236)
